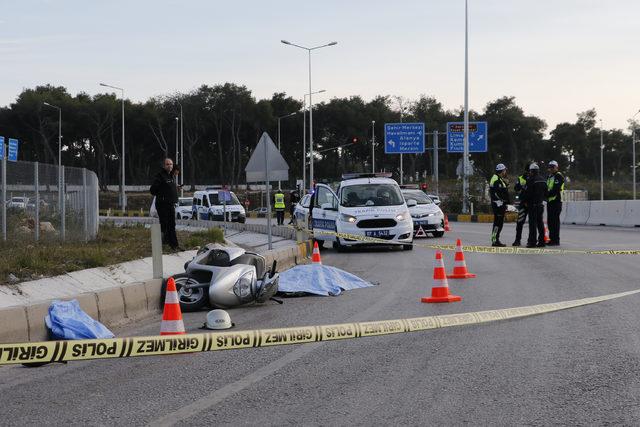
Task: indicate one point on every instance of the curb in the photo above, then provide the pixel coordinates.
(119, 305)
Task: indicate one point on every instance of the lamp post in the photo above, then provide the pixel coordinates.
(465, 144)
(181, 151)
(60, 191)
(601, 163)
(633, 155)
(304, 138)
(177, 139)
(279, 118)
(373, 146)
(123, 197)
(309, 49)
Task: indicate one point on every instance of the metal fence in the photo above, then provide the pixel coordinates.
(34, 208)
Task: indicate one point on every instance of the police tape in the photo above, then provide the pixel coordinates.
(66, 351)
(507, 250)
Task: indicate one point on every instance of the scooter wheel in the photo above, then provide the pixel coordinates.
(192, 300)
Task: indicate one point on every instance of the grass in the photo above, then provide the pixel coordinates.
(49, 257)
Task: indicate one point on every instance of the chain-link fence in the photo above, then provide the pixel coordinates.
(34, 208)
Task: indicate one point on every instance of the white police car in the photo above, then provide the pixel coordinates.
(184, 208)
(367, 205)
(301, 211)
(427, 216)
(208, 205)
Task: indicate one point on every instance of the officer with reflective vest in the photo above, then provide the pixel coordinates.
(555, 187)
(520, 187)
(279, 206)
(534, 196)
(499, 194)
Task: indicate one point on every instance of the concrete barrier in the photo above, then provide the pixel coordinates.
(631, 216)
(577, 212)
(609, 212)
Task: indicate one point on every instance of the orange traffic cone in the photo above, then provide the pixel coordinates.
(440, 290)
(315, 256)
(446, 224)
(460, 266)
(171, 316)
(546, 233)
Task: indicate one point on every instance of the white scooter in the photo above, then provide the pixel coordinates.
(224, 277)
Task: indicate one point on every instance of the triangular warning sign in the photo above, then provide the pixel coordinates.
(420, 232)
(272, 161)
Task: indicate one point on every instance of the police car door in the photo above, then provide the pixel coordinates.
(325, 213)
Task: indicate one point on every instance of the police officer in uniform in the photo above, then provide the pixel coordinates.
(293, 199)
(499, 194)
(279, 206)
(555, 186)
(166, 192)
(534, 195)
(520, 187)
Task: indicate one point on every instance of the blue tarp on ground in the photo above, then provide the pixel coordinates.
(67, 321)
(319, 280)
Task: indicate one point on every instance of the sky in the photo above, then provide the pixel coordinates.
(557, 57)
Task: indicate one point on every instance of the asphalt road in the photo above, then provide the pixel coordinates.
(578, 366)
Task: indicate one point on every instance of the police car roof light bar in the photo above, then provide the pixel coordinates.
(366, 175)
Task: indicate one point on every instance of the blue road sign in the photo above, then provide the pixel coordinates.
(403, 138)
(477, 137)
(1, 147)
(12, 155)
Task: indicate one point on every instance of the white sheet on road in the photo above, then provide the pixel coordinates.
(319, 280)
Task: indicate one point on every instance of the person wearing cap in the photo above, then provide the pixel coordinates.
(555, 187)
(499, 193)
(520, 187)
(534, 196)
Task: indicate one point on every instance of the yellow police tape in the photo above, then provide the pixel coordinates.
(485, 249)
(64, 351)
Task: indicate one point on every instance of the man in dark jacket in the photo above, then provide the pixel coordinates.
(520, 186)
(499, 193)
(534, 196)
(166, 193)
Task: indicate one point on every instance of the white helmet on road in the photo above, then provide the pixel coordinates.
(218, 319)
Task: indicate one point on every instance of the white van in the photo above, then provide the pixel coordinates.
(206, 205)
(367, 205)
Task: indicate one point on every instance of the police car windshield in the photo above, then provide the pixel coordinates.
(185, 202)
(371, 195)
(213, 199)
(418, 196)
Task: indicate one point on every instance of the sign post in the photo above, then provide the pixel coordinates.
(478, 141)
(403, 138)
(12, 155)
(4, 189)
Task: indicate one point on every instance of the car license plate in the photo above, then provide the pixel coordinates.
(376, 233)
(424, 222)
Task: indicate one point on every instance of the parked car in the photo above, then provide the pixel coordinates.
(301, 211)
(426, 214)
(208, 205)
(184, 208)
(18, 202)
(260, 211)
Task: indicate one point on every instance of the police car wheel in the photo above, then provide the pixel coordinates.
(407, 247)
(438, 233)
(339, 246)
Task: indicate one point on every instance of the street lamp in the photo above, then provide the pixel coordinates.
(465, 143)
(304, 138)
(601, 163)
(181, 151)
(123, 197)
(177, 146)
(373, 146)
(309, 49)
(633, 155)
(60, 189)
(279, 118)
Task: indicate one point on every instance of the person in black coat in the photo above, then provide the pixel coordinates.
(166, 193)
(534, 195)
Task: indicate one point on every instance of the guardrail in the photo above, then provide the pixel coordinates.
(620, 213)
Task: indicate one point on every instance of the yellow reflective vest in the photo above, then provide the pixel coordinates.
(279, 201)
